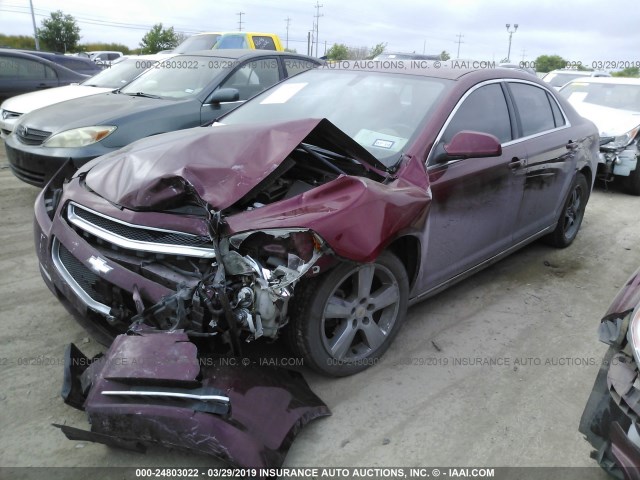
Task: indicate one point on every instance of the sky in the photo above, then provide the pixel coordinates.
(585, 31)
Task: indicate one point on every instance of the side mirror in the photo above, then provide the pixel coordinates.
(224, 95)
(468, 144)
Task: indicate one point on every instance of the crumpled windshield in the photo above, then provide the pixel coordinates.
(383, 112)
(178, 77)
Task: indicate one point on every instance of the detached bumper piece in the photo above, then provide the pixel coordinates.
(610, 418)
(153, 389)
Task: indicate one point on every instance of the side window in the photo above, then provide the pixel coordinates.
(253, 77)
(50, 73)
(295, 65)
(533, 107)
(30, 70)
(263, 43)
(558, 118)
(8, 66)
(484, 110)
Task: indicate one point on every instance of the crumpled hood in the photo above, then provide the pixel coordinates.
(611, 122)
(220, 164)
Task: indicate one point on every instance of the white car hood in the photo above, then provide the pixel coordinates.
(27, 102)
(611, 122)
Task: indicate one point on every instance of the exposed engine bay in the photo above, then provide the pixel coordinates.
(233, 287)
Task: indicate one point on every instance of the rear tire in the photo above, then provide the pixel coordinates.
(572, 214)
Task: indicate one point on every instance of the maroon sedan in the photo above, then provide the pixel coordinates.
(319, 210)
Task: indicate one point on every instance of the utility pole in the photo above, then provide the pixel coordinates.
(317, 17)
(523, 54)
(309, 44)
(424, 46)
(459, 42)
(35, 30)
(288, 20)
(511, 32)
(240, 21)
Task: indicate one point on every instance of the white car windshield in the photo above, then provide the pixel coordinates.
(612, 95)
(380, 111)
(119, 74)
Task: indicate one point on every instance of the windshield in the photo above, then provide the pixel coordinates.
(232, 41)
(198, 42)
(560, 79)
(623, 97)
(119, 74)
(178, 77)
(383, 112)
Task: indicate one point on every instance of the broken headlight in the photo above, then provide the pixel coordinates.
(621, 141)
(268, 264)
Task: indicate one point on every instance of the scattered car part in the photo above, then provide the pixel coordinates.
(154, 388)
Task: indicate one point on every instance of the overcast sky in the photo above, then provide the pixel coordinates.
(583, 31)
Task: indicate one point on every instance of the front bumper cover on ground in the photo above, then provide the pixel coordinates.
(154, 389)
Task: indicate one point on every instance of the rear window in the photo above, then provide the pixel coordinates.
(263, 43)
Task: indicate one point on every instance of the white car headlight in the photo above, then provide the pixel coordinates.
(625, 139)
(79, 137)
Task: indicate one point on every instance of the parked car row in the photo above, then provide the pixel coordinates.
(173, 94)
(22, 72)
(108, 80)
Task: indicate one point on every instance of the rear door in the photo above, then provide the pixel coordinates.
(546, 135)
(476, 200)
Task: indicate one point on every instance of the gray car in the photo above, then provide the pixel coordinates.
(181, 92)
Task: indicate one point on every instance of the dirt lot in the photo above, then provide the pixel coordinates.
(424, 405)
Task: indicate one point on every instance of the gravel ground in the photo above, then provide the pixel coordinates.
(427, 403)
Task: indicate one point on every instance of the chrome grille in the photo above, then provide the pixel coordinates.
(80, 278)
(31, 136)
(136, 237)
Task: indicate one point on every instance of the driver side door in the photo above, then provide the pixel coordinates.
(475, 201)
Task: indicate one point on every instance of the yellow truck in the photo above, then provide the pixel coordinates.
(225, 40)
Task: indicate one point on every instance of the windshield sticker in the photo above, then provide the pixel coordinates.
(283, 93)
(371, 138)
(383, 143)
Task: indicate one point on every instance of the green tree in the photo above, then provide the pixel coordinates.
(158, 38)
(59, 32)
(445, 55)
(338, 51)
(17, 41)
(377, 50)
(627, 72)
(546, 63)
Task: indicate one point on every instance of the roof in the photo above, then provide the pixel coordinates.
(238, 53)
(450, 70)
(609, 80)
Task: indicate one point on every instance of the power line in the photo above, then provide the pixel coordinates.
(240, 21)
(459, 42)
(317, 17)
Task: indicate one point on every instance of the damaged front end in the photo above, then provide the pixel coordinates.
(167, 234)
(245, 292)
(154, 389)
(611, 419)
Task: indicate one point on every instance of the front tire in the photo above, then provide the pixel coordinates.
(571, 215)
(343, 321)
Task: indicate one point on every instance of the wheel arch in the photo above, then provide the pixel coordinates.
(407, 248)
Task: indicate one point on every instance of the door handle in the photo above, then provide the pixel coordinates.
(516, 163)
